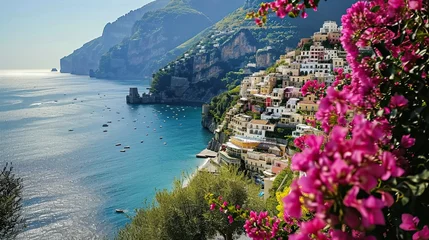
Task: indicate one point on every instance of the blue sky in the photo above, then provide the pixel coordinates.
(35, 34)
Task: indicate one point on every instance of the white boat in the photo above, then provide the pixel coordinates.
(118, 144)
(127, 147)
(119, 210)
(122, 150)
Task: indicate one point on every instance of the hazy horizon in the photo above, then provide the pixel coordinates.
(37, 34)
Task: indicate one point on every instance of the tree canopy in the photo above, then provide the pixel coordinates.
(11, 222)
(182, 213)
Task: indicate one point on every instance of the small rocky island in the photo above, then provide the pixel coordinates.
(54, 70)
(135, 98)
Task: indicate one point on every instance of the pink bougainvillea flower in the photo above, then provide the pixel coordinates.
(395, 4)
(351, 218)
(398, 101)
(300, 142)
(422, 234)
(305, 160)
(212, 206)
(407, 141)
(387, 199)
(313, 226)
(370, 208)
(409, 222)
(292, 204)
(230, 219)
(415, 4)
(389, 163)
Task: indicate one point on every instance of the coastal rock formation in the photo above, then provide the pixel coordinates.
(208, 123)
(135, 98)
(87, 58)
(214, 145)
(159, 32)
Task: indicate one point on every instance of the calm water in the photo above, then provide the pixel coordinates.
(74, 180)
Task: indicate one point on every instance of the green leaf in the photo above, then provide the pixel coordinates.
(375, 9)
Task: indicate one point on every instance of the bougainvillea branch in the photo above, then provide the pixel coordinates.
(283, 8)
(367, 177)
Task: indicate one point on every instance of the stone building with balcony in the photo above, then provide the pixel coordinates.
(291, 118)
(308, 107)
(257, 128)
(238, 124)
(259, 162)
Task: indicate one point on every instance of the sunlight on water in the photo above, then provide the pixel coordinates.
(74, 175)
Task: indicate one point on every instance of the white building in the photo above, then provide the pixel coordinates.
(303, 129)
(330, 54)
(329, 26)
(310, 68)
(327, 78)
(277, 96)
(273, 113)
(292, 104)
(257, 128)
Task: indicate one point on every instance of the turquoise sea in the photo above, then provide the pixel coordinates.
(74, 180)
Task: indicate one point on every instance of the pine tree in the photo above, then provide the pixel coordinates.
(11, 222)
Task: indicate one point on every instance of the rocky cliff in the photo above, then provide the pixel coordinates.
(195, 78)
(87, 58)
(159, 32)
(266, 58)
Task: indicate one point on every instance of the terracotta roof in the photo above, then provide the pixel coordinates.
(255, 121)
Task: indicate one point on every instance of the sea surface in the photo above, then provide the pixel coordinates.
(74, 175)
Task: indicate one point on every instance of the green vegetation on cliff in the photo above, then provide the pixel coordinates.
(183, 212)
(159, 32)
(220, 104)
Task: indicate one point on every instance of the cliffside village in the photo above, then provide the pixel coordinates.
(276, 101)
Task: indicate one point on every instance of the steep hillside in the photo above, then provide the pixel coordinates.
(232, 43)
(159, 32)
(82, 60)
